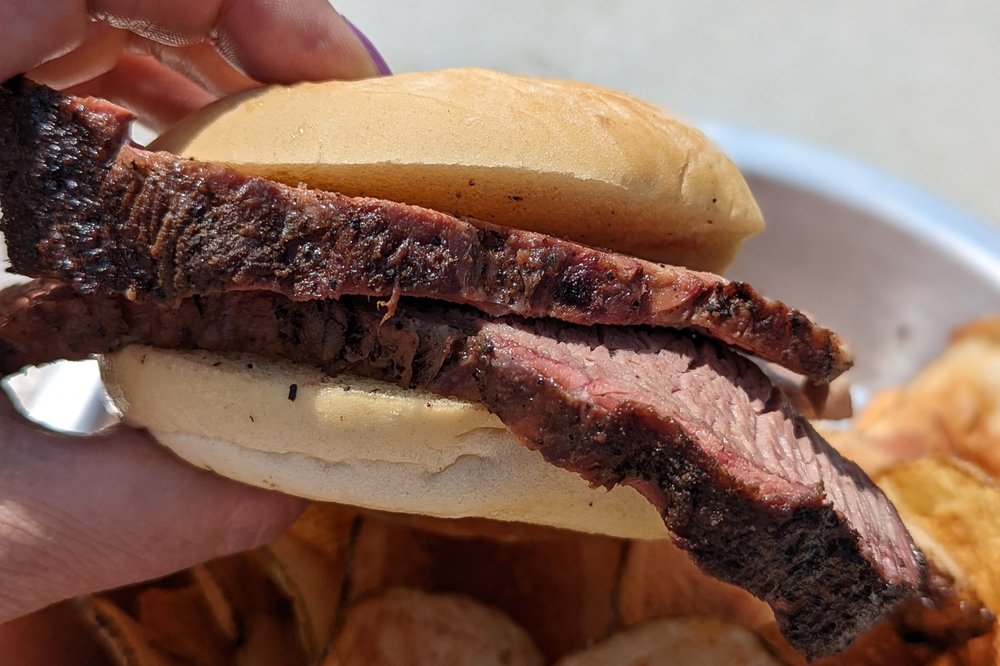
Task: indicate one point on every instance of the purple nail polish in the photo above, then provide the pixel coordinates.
(376, 57)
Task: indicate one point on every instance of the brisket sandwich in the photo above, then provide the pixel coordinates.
(390, 293)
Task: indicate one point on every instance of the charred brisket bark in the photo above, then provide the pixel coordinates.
(83, 205)
(752, 492)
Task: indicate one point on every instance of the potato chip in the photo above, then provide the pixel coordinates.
(238, 579)
(122, 635)
(471, 527)
(179, 623)
(388, 555)
(268, 627)
(693, 641)
(953, 510)
(952, 406)
(218, 606)
(985, 329)
(308, 563)
(127, 597)
(312, 582)
(871, 455)
(409, 628)
(561, 588)
(327, 528)
(246, 587)
(270, 640)
(660, 580)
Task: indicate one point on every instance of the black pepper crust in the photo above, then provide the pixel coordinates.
(83, 205)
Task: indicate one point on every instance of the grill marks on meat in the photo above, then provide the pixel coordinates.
(82, 205)
(746, 485)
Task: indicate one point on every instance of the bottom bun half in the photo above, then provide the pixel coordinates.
(356, 441)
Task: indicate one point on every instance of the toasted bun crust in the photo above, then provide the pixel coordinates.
(357, 442)
(563, 158)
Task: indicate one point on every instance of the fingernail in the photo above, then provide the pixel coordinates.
(373, 53)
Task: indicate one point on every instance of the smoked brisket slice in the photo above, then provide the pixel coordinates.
(82, 204)
(752, 492)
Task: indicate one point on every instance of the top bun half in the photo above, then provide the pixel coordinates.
(566, 159)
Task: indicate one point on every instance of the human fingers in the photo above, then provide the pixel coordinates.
(32, 33)
(97, 54)
(84, 514)
(282, 41)
(271, 41)
(108, 65)
(268, 40)
(200, 63)
(159, 95)
(104, 46)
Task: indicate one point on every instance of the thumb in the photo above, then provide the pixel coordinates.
(81, 514)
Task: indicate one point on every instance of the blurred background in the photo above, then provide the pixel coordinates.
(910, 87)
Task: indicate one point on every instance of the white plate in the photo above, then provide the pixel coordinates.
(890, 267)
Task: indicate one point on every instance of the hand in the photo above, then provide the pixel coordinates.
(79, 515)
(163, 59)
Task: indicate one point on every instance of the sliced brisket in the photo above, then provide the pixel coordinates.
(81, 204)
(747, 486)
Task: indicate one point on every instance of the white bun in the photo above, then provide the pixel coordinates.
(356, 441)
(563, 158)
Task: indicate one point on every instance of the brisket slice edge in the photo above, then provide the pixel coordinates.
(747, 487)
(83, 205)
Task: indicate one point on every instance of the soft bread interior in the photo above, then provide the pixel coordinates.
(563, 158)
(355, 441)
